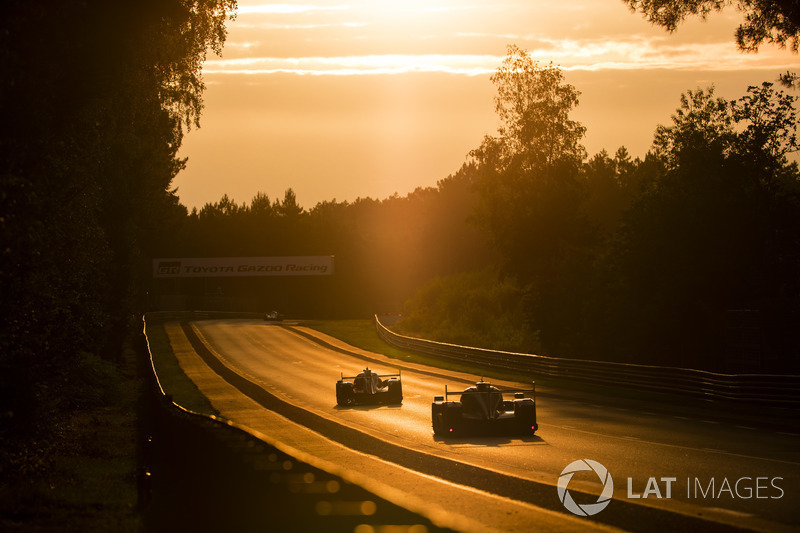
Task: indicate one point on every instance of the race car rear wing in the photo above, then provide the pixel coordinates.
(379, 375)
(518, 393)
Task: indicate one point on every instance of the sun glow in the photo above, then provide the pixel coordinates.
(390, 96)
(366, 37)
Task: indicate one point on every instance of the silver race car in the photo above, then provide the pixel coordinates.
(369, 387)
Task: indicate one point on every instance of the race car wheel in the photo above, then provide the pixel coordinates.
(446, 418)
(344, 393)
(437, 420)
(438, 426)
(525, 414)
(395, 391)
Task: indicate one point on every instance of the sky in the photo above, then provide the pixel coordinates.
(342, 99)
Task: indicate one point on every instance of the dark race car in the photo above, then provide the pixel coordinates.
(482, 410)
(369, 387)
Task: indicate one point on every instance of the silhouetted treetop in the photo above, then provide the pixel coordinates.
(288, 208)
(772, 21)
(174, 41)
(533, 104)
(761, 125)
(260, 205)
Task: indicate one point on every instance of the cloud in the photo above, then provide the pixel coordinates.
(286, 9)
(371, 37)
(300, 26)
(469, 65)
(640, 53)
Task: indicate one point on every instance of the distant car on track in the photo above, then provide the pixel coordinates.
(369, 387)
(482, 410)
(273, 316)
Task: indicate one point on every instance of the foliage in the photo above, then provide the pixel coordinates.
(533, 105)
(611, 186)
(717, 230)
(471, 309)
(772, 21)
(94, 101)
(531, 190)
(81, 480)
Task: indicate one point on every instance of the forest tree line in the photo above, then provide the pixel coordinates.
(94, 100)
(688, 257)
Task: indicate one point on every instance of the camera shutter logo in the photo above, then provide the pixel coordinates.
(587, 509)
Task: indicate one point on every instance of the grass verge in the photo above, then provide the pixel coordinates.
(174, 382)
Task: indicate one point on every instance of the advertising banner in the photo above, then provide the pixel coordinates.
(208, 267)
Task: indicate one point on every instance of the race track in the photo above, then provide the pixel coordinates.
(719, 475)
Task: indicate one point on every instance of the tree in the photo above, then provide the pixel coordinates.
(533, 104)
(702, 125)
(530, 188)
(771, 124)
(260, 205)
(611, 185)
(171, 41)
(288, 208)
(716, 231)
(93, 104)
(772, 21)
(537, 152)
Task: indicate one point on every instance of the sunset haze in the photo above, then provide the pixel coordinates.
(367, 99)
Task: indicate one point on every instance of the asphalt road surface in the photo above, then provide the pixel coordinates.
(670, 472)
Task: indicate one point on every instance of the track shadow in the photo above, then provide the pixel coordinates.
(492, 440)
(367, 407)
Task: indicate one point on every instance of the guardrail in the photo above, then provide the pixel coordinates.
(761, 389)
